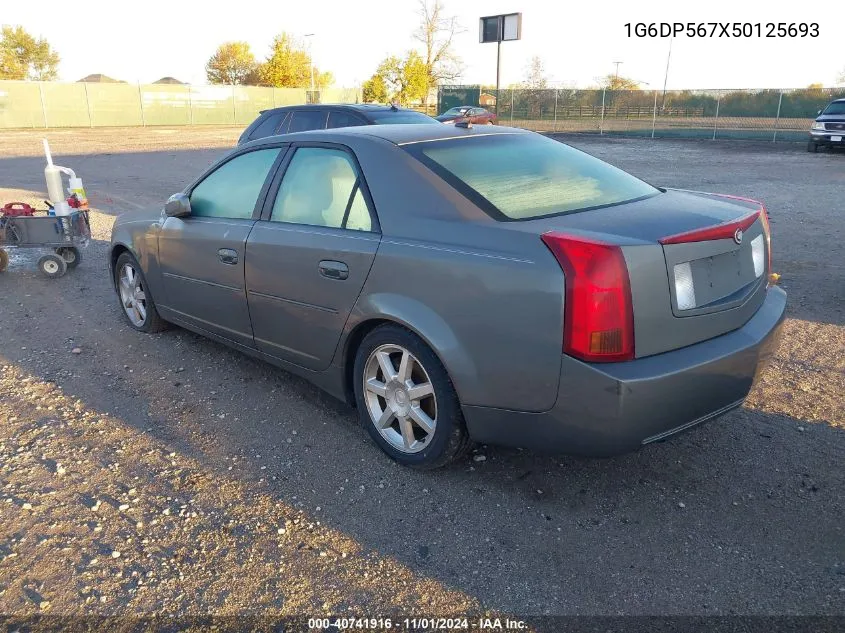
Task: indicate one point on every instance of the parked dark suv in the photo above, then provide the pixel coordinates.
(829, 128)
(322, 116)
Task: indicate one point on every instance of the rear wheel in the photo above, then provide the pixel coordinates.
(812, 147)
(406, 400)
(135, 299)
(52, 266)
(71, 255)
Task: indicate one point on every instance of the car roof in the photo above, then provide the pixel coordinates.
(358, 107)
(397, 133)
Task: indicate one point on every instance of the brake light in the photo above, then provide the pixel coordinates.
(598, 320)
(719, 232)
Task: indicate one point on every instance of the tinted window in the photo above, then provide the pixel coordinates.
(339, 118)
(835, 108)
(304, 120)
(231, 190)
(268, 126)
(359, 215)
(318, 188)
(523, 176)
(400, 116)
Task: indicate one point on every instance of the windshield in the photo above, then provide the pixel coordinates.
(526, 176)
(837, 107)
(400, 116)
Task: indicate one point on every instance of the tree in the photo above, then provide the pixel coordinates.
(374, 89)
(615, 82)
(436, 32)
(289, 66)
(24, 57)
(535, 77)
(232, 63)
(405, 78)
(841, 78)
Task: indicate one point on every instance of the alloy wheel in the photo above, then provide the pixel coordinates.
(133, 298)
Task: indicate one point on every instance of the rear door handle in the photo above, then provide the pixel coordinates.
(228, 256)
(334, 270)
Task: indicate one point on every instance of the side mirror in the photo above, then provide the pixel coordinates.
(178, 206)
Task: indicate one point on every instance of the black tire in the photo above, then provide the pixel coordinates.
(4, 260)
(153, 321)
(812, 147)
(52, 266)
(71, 255)
(450, 439)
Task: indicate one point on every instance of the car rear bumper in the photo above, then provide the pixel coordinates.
(613, 408)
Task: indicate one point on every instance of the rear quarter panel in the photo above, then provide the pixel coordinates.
(487, 299)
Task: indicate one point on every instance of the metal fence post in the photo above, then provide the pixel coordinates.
(190, 105)
(654, 115)
(234, 114)
(511, 106)
(554, 126)
(141, 103)
(716, 118)
(601, 122)
(88, 105)
(777, 118)
(43, 107)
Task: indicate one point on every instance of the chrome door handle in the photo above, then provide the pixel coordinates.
(334, 270)
(228, 256)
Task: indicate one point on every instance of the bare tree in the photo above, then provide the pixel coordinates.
(436, 32)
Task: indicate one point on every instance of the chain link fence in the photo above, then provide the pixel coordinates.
(774, 115)
(26, 104)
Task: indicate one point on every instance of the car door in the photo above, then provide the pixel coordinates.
(202, 255)
(309, 255)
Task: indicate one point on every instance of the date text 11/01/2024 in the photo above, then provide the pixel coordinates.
(418, 624)
(722, 29)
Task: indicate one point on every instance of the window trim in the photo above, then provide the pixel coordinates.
(273, 188)
(262, 193)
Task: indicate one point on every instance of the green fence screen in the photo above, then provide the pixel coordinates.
(25, 104)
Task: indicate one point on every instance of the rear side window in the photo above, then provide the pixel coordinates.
(268, 126)
(526, 176)
(304, 120)
(231, 190)
(339, 118)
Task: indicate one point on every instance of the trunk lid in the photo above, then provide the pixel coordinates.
(697, 262)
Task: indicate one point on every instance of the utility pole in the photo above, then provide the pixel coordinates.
(666, 76)
(616, 85)
(311, 62)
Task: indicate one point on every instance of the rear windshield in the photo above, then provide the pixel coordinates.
(382, 117)
(526, 176)
(837, 107)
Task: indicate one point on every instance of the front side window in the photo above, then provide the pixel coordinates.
(231, 190)
(321, 188)
(304, 120)
(527, 176)
(339, 118)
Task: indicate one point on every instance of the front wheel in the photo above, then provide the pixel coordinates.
(812, 147)
(406, 400)
(52, 266)
(135, 299)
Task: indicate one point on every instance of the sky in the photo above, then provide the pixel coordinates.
(577, 41)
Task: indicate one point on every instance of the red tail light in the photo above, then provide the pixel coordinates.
(598, 321)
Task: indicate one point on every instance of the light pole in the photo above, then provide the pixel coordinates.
(311, 62)
(666, 76)
(617, 71)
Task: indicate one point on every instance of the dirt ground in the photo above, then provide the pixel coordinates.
(168, 474)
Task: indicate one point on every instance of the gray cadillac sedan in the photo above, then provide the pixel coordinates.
(460, 284)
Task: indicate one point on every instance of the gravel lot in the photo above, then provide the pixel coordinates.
(169, 474)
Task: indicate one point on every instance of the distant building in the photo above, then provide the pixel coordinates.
(169, 80)
(99, 78)
(486, 100)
